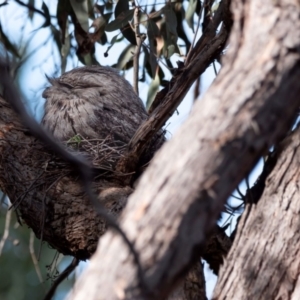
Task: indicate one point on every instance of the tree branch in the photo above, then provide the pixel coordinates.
(267, 240)
(139, 41)
(61, 278)
(32, 8)
(227, 132)
(166, 102)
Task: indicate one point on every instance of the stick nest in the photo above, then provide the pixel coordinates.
(101, 153)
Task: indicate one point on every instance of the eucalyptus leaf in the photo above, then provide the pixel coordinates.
(190, 12)
(62, 12)
(180, 14)
(100, 8)
(107, 16)
(171, 20)
(125, 57)
(99, 25)
(47, 15)
(170, 32)
(169, 50)
(215, 7)
(153, 33)
(30, 11)
(153, 89)
(113, 41)
(157, 14)
(120, 21)
(129, 34)
(82, 13)
(65, 50)
(88, 59)
(91, 9)
(122, 6)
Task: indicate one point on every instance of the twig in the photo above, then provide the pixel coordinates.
(240, 193)
(139, 41)
(6, 230)
(221, 15)
(3, 196)
(215, 69)
(197, 89)
(33, 257)
(170, 102)
(61, 278)
(31, 7)
(207, 15)
(235, 197)
(195, 35)
(208, 47)
(18, 201)
(44, 214)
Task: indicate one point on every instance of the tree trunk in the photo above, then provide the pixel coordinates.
(264, 262)
(249, 107)
(193, 287)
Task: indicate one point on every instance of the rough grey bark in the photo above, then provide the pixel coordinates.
(264, 262)
(248, 108)
(193, 286)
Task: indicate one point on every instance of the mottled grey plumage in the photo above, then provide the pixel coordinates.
(95, 102)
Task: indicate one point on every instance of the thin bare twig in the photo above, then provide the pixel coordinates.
(215, 68)
(34, 258)
(31, 8)
(197, 29)
(240, 193)
(18, 201)
(44, 214)
(6, 230)
(139, 41)
(61, 278)
(197, 89)
(221, 15)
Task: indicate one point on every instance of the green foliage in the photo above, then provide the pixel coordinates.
(80, 25)
(189, 16)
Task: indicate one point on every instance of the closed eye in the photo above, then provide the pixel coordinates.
(66, 85)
